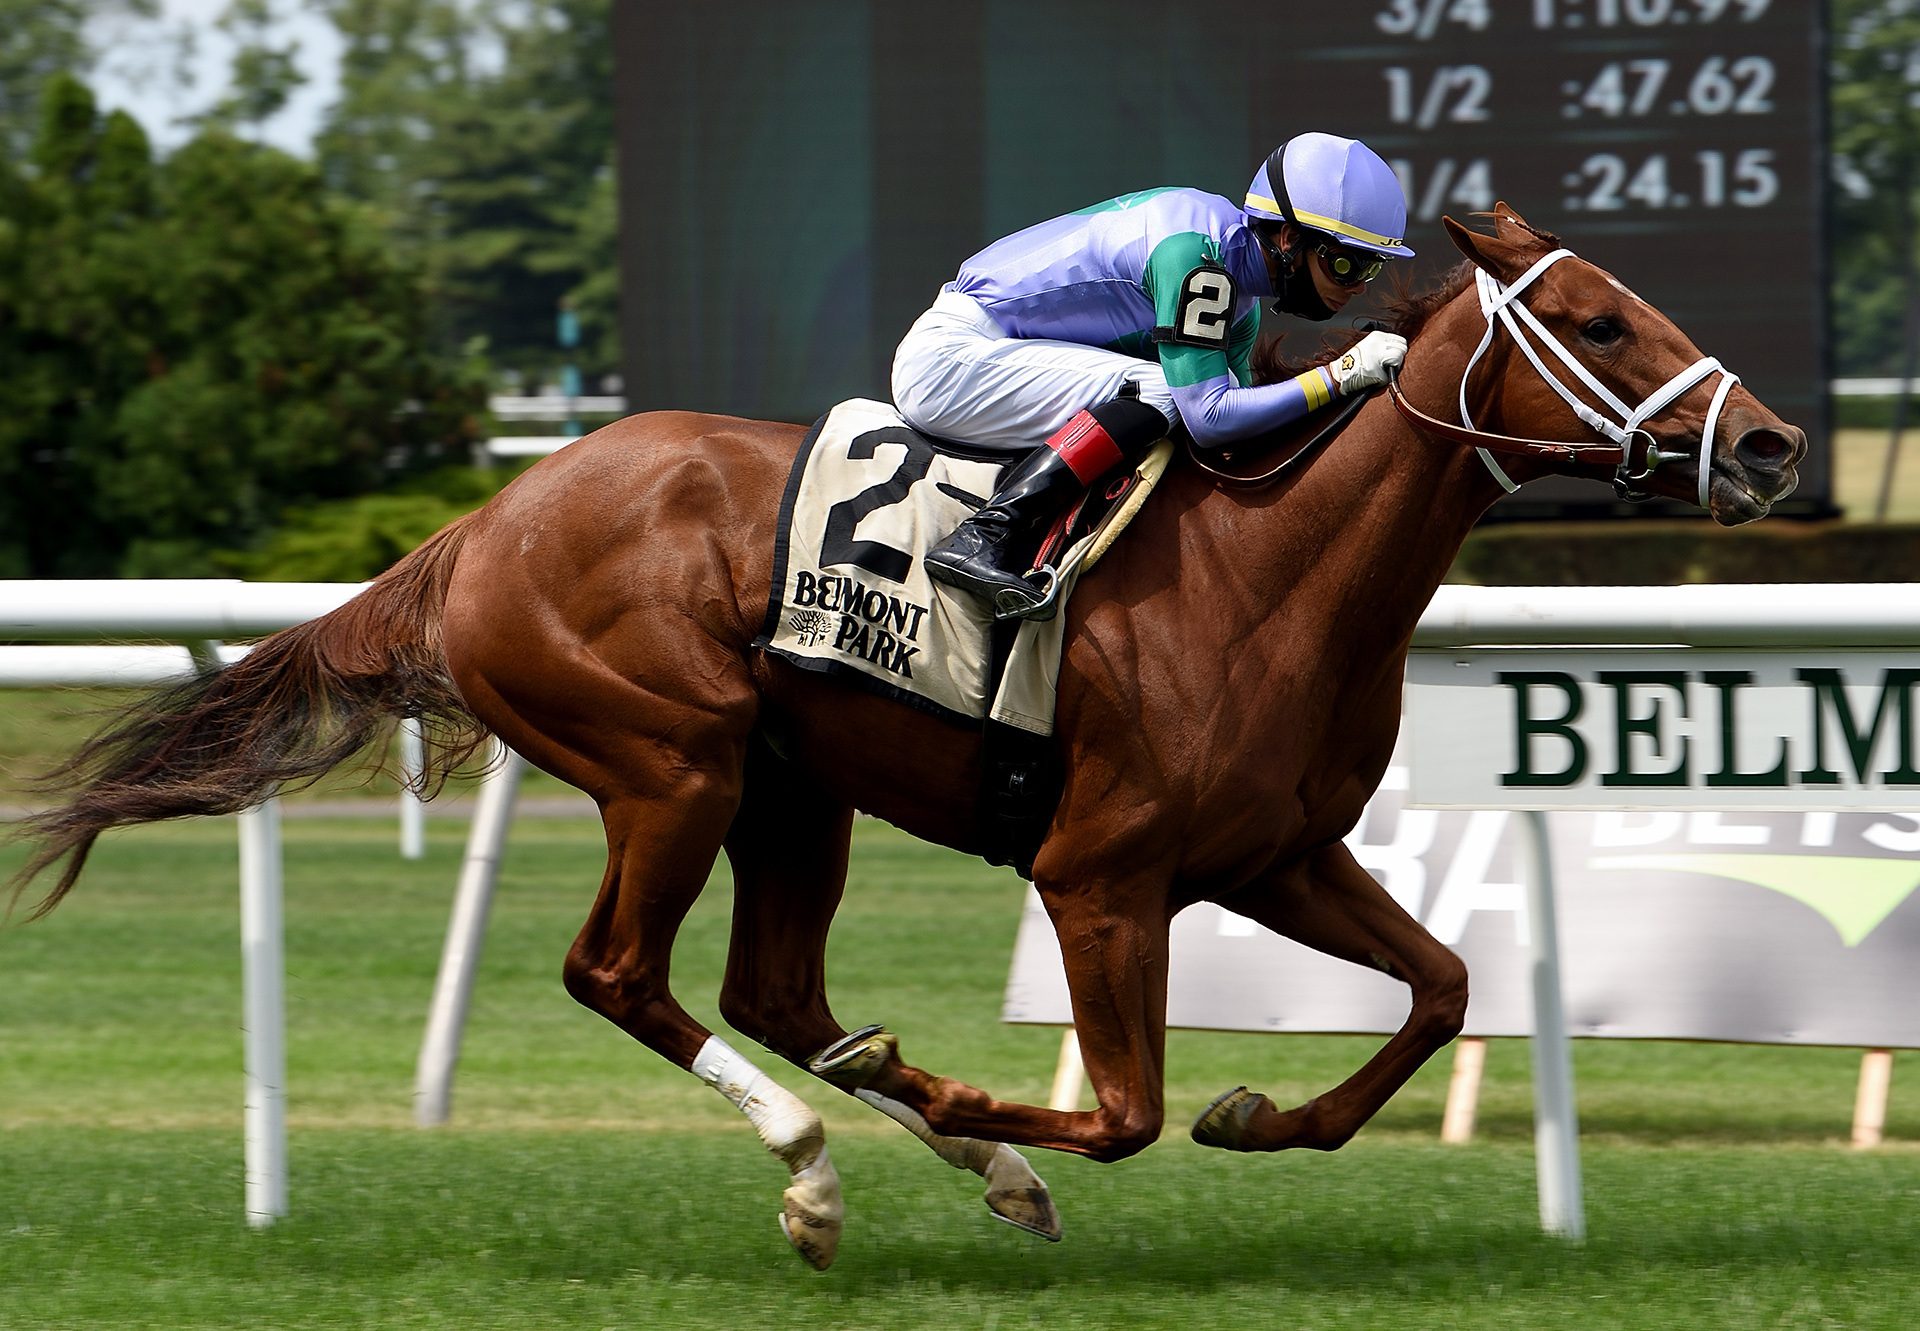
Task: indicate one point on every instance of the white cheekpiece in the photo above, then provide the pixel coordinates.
(814, 1212)
(1501, 306)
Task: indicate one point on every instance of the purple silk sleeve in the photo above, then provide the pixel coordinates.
(1219, 411)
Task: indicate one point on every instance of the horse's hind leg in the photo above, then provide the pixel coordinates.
(1334, 906)
(658, 860)
(665, 763)
(788, 848)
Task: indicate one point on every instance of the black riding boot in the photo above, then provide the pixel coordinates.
(984, 553)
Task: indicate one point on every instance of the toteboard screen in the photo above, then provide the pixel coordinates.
(1677, 143)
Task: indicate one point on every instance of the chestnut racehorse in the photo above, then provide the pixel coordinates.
(1228, 701)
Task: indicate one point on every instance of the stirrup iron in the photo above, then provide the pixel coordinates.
(1009, 604)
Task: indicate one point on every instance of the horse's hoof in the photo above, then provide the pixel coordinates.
(812, 1211)
(1016, 1195)
(1224, 1122)
(816, 1241)
(851, 1061)
(1030, 1209)
(812, 1217)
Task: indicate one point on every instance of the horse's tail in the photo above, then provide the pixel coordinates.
(299, 704)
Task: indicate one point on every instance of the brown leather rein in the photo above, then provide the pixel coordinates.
(1346, 412)
(1512, 445)
(1597, 453)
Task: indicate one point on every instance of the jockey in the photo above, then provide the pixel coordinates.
(1100, 331)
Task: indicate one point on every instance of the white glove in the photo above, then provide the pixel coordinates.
(1366, 363)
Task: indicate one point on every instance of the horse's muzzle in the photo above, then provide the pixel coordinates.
(1759, 470)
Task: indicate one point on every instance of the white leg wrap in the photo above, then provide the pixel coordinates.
(782, 1119)
(814, 1211)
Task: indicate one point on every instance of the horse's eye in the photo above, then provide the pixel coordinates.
(1602, 332)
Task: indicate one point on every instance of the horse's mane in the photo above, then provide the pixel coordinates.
(1406, 313)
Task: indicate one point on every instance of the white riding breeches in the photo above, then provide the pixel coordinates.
(958, 375)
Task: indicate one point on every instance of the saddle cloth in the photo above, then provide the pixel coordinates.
(867, 497)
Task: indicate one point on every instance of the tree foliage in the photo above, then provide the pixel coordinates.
(349, 540)
(265, 72)
(1875, 140)
(38, 40)
(481, 132)
(215, 340)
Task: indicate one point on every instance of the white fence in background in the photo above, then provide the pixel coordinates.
(198, 614)
(554, 407)
(547, 407)
(201, 614)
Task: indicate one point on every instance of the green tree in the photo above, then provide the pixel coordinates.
(1875, 138)
(482, 134)
(217, 340)
(264, 75)
(39, 39)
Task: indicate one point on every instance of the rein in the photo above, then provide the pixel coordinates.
(1631, 448)
(1285, 466)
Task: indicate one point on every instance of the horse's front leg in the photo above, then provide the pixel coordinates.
(1333, 905)
(1113, 941)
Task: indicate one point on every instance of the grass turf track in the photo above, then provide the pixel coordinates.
(585, 1183)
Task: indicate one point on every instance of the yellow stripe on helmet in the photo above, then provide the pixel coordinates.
(1340, 228)
(1259, 201)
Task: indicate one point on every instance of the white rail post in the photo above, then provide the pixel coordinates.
(1556, 1130)
(263, 968)
(1870, 1101)
(1463, 1091)
(413, 810)
(466, 932)
(1069, 1074)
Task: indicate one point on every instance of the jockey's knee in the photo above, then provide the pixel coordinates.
(1134, 425)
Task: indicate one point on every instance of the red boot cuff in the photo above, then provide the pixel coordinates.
(1085, 446)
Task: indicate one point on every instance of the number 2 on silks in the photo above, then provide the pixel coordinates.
(837, 545)
(1206, 308)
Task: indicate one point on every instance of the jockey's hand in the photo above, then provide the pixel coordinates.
(1365, 365)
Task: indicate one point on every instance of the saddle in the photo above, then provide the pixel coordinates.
(850, 597)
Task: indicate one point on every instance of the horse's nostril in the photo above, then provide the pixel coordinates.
(1765, 446)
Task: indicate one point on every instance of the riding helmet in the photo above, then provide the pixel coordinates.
(1335, 185)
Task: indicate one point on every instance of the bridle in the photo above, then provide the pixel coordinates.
(1629, 447)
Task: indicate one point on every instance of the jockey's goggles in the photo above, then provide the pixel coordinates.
(1349, 267)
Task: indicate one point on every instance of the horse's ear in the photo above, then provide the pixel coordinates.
(1505, 213)
(1501, 255)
